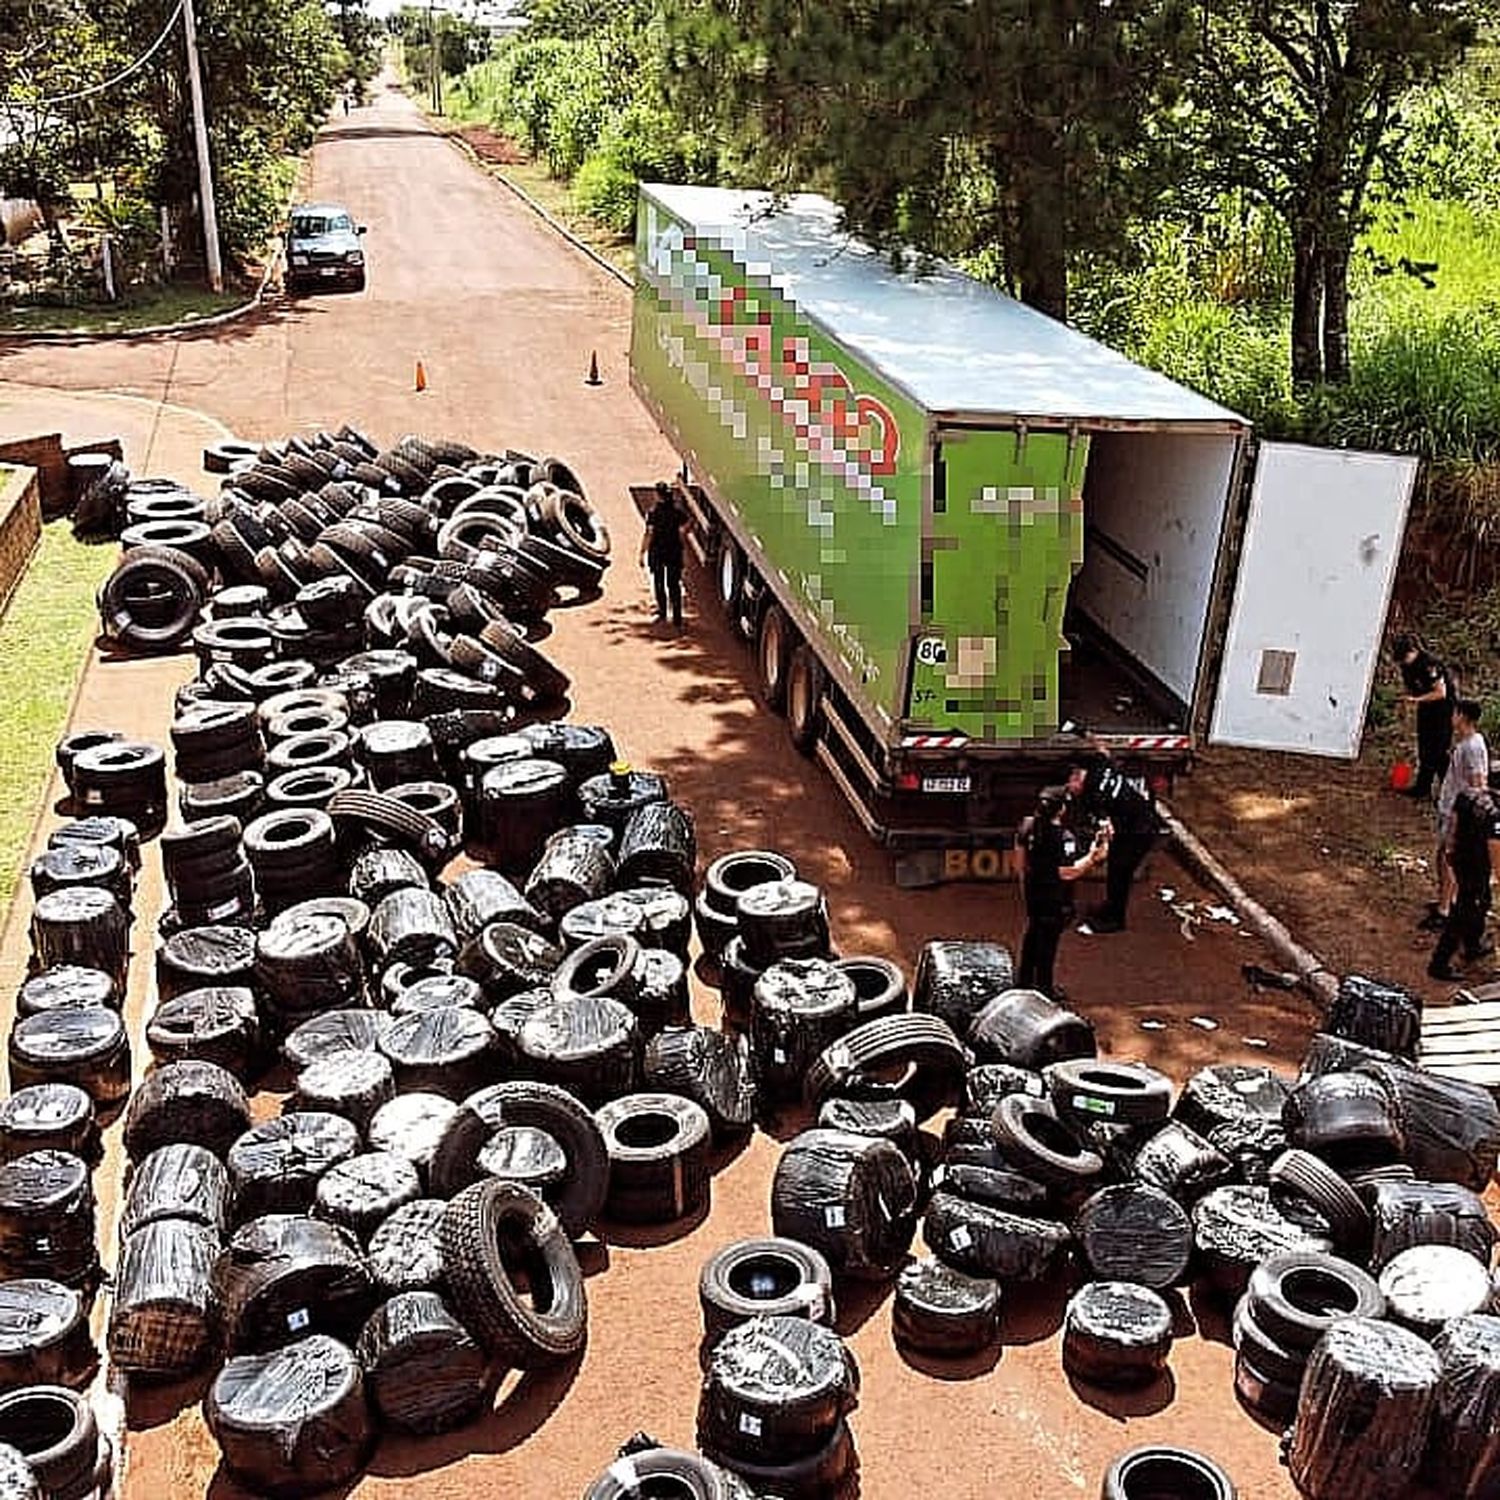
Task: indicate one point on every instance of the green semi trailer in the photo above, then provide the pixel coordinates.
(960, 535)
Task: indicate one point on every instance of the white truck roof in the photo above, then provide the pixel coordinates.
(957, 347)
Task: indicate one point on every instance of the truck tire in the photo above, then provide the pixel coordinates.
(729, 582)
(1146, 1472)
(773, 651)
(806, 682)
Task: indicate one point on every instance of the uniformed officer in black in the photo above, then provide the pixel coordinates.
(661, 551)
(1476, 833)
(1103, 793)
(1049, 850)
(1425, 679)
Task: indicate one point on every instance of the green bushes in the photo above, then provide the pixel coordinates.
(570, 104)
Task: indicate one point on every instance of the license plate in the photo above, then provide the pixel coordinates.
(945, 783)
(329, 271)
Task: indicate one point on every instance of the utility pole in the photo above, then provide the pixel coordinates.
(205, 167)
(437, 58)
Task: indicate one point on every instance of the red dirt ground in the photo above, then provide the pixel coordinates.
(505, 317)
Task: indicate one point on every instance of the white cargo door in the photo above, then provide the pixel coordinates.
(1321, 545)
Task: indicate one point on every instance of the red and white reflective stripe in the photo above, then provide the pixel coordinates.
(934, 742)
(1149, 741)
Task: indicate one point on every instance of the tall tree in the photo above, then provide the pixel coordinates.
(1031, 125)
(1297, 104)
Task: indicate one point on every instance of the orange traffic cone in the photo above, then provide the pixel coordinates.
(421, 376)
(593, 377)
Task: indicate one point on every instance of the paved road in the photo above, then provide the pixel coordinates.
(505, 316)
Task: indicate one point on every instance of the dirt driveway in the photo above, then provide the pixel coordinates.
(504, 317)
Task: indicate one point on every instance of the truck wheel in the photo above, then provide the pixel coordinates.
(806, 682)
(729, 580)
(773, 652)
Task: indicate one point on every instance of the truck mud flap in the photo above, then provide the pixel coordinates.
(918, 868)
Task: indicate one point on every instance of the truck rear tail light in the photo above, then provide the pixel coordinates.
(908, 781)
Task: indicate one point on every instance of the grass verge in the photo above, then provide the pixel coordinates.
(169, 304)
(44, 634)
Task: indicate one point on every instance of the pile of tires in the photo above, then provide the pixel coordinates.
(318, 547)
(70, 1075)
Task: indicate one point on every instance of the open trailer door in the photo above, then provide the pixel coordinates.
(1321, 544)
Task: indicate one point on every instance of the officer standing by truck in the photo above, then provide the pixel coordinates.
(1049, 851)
(1103, 793)
(661, 550)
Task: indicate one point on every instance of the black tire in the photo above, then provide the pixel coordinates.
(473, 1228)
(1261, 1350)
(579, 1198)
(806, 684)
(151, 601)
(1297, 1297)
(934, 1060)
(220, 458)
(945, 1313)
(658, 1148)
(1327, 1192)
(880, 987)
(731, 875)
(603, 968)
(661, 1471)
(1033, 1139)
(1144, 1473)
(1116, 1333)
(764, 1278)
(825, 1474)
(1089, 1090)
(774, 643)
(54, 1430)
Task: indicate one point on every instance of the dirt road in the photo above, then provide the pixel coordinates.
(504, 317)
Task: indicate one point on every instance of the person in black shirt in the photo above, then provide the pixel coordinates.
(1476, 833)
(661, 551)
(1102, 792)
(1427, 686)
(1051, 864)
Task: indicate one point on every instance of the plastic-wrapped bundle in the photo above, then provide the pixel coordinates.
(1116, 1333)
(1451, 1128)
(849, 1196)
(363, 1192)
(986, 1084)
(1463, 1454)
(1368, 1399)
(411, 925)
(587, 1044)
(190, 1101)
(308, 962)
(1237, 1227)
(295, 1421)
(479, 897)
(351, 1084)
(1251, 1143)
(48, 1117)
(180, 1181)
(47, 1218)
(88, 1047)
(1377, 1013)
(1020, 1027)
(782, 919)
(449, 1052)
(659, 845)
(405, 1252)
(775, 1389)
(507, 958)
(711, 1068)
(1429, 1284)
(1404, 1214)
(66, 987)
(44, 1336)
(573, 869)
(412, 1125)
(160, 1321)
(285, 1275)
(1216, 1095)
(956, 980)
(1351, 1120)
(1131, 1232)
(943, 1312)
(800, 1006)
(332, 1032)
(423, 1371)
(1180, 1162)
(218, 1024)
(275, 1165)
(987, 1241)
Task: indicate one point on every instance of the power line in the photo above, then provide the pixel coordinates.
(109, 83)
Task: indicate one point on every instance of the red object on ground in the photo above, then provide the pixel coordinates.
(1402, 775)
